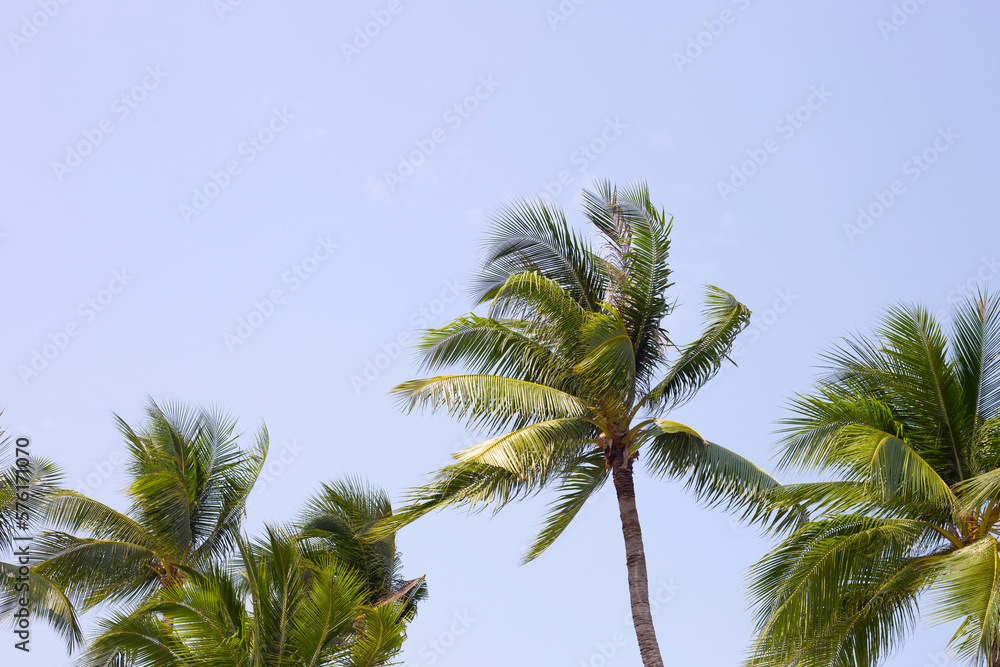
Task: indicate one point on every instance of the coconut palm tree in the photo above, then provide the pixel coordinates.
(570, 371)
(908, 424)
(276, 606)
(25, 483)
(190, 482)
(340, 521)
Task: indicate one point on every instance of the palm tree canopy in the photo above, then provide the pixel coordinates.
(339, 521)
(275, 606)
(908, 422)
(190, 482)
(570, 368)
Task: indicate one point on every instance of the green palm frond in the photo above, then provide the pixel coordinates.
(716, 475)
(135, 640)
(836, 584)
(190, 477)
(490, 346)
(968, 590)
(725, 317)
(72, 511)
(639, 238)
(46, 600)
(534, 450)
(976, 337)
(531, 236)
(539, 296)
(338, 521)
(378, 637)
(92, 571)
(926, 381)
(488, 400)
(608, 366)
(578, 485)
(475, 486)
(907, 421)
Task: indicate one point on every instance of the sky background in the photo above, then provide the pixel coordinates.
(359, 148)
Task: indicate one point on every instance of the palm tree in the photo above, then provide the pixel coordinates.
(190, 482)
(908, 422)
(340, 521)
(25, 483)
(570, 371)
(275, 607)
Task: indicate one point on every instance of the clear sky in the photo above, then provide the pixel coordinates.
(171, 169)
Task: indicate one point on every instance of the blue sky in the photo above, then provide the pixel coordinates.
(257, 204)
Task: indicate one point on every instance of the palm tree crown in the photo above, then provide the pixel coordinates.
(275, 606)
(570, 369)
(909, 422)
(190, 482)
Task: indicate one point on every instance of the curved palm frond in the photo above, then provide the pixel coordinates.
(843, 584)
(608, 365)
(532, 236)
(578, 485)
(725, 317)
(489, 400)
(638, 237)
(45, 600)
(968, 590)
(534, 450)
(716, 475)
(92, 571)
(490, 346)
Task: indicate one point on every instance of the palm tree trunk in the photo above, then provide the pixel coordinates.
(995, 655)
(635, 558)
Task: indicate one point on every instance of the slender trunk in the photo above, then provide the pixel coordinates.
(635, 558)
(995, 655)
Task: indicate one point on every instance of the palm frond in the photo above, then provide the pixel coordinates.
(578, 485)
(532, 236)
(716, 475)
(968, 590)
(725, 317)
(489, 401)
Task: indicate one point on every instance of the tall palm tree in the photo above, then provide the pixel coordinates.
(276, 606)
(340, 520)
(908, 423)
(25, 483)
(570, 371)
(190, 482)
